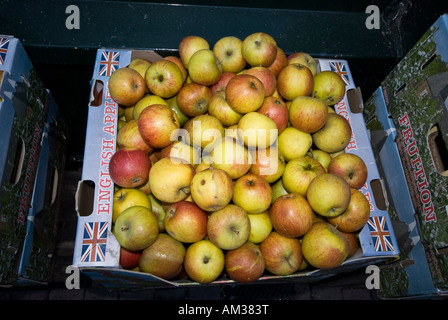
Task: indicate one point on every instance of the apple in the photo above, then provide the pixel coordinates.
(179, 149)
(278, 190)
(308, 114)
(129, 167)
(351, 167)
(266, 76)
(128, 197)
(179, 63)
(353, 243)
(228, 228)
(275, 109)
(140, 65)
(170, 178)
(329, 87)
(129, 137)
(322, 157)
(328, 194)
(126, 86)
(244, 264)
(147, 100)
(186, 222)
(257, 130)
(220, 109)
(164, 258)
(193, 99)
(283, 256)
(156, 124)
(231, 156)
(136, 228)
(252, 193)
(260, 226)
(211, 189)
(291, 215)
(245, 93)
(172, 103)
(299, 172)
(204, 261)
(222, 83)
(268, 163)
(259, 49)
(294, 143)
(304, 59)
(279, 63)
(129, 259)
(204, 67)
(159, 211)
(324, 247)
(335, 135)
(164, 78)
(189, 45)
(229, 51)
(203, 130)
(295, 80)
(355, 216)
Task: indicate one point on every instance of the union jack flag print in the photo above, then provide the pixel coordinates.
(109, 62)
(340, 69)
(4, 44)
(94, 242)
(380, 234)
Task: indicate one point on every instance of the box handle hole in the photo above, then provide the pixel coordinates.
(439, 152)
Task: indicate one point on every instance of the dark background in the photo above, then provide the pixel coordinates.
(64, 58)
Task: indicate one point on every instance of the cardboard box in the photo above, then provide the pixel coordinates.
(23, 109)
(39, 249)
(96, 249)
(408, 120)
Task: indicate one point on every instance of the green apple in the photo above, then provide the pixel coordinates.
(147, 100)
(257, 130)
(231, 156)
(211, 189)
(204, 67)
(252, 193)
(170, 178)
(172, 103)
(204, 261)
(278, 190)
(304, 59)
(329, 87)
(335, 135)
(295, 80)
(356, 215)
(136, 228)
(189, 45)
(164, 78)
(228, 228)
(259, 49)
(323, 157)
(128, 197)
(294, 143)
(328, 194)
(260, 226)
(299, 172)
(228, 51)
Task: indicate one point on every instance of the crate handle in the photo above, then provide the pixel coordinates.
(439, 152)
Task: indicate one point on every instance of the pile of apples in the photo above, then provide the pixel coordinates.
(231, 162)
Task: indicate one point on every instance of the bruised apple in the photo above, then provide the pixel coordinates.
(244, 264)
